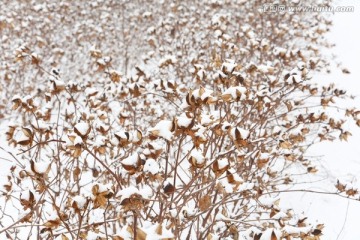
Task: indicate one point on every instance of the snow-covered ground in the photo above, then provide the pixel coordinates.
(340, 160)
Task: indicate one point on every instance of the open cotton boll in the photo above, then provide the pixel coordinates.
(80, 201)
(151, 166)
(197, 158)
(82, 128)
(234, 93)
(163, 129)
(41, 167)
(239, 133)
(183, 120)
(228, 66)
(131, 160)
(197, 155)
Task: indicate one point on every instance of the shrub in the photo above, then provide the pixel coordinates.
(190, 145)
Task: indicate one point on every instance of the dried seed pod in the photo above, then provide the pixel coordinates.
(169, 189)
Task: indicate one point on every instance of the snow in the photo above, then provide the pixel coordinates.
(163, 129)
(103, 187)
(268, 232)
(80, 201)
(276, 130)
(235, 92)
(198, 156)
(20, 136)
(82, 128)
(99, 141)
(25, 195)
(246, 186)
(219, 74)
(127, 192)
(151, 231)
(229, 66)
(57, 84)
(97, 215)
(15, 97)
(131, 160)
(183, 120)
(41, 167)
(91, 91)
(244, 134)
(146, 191)
(222, 163)
(135, 136)
(78, 140)
(122, 135)
(217, 33)
(297, 230)
(201, 74)
(93, 236)
(279, 51)
(151, 166)
(265, 69)
(340, 159)
(207, 119)
(267, 201)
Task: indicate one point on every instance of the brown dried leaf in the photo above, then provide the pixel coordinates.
(312, 170)
(139, 135)
(76, 173)
(140, 234)
(117, 238)
(159, 229)
(285, 144)
(316, 232)
(345, 71)
(257, 236)
(344, 136)
(64, 237)
(8, 187)
(351, 192)
(205, 203)
(273, 236)
(169, 189)
(273, 212)
(53, 223)
(341, 187)
(226, 97)
(262, 162)
(114, 76)
(17, 102)
(132, 203)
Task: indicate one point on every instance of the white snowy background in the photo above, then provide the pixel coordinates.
(338, 160)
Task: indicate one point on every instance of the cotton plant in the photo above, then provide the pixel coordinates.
(196, 141)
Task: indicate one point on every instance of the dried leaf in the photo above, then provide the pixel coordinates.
(285, 144)
(316, 232)
(64, 237)
(257, 236)
(159, 229)
(140, 234)
(340, 187)
(76, 173)
(169, 189)
(53, 223)
(273, 236)
(205, 203)
(262, 162)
